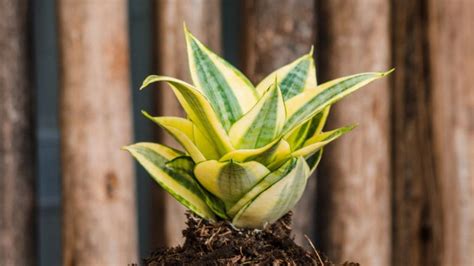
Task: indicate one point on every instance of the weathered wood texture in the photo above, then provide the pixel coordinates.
(17, 167)
(202, 17)
(353, 213)
(98, 185)
(275, 35)
(451, 50)
(416, 203)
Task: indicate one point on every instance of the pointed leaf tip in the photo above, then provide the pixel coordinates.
(311, 50)
(350, 127)
(124, 148)
(388, 72)
(145, 113)
(185, 27)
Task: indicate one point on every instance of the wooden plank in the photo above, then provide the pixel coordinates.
(451, 50)
(98, 188)
(416, 205)
(203, 19)
(17, 156)
(274, 35)
(353, 187)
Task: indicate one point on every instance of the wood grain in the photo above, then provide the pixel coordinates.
(202, 17)
(98, 185)
(17, 156)
(416, 206)
(275, 35)
(354, 180)
(451, 50)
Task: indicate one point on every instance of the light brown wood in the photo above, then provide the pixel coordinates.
(17, 156)
(416, 203)
(451, 50)
(202, 17)
(353, 185)
(98, 185)
(275, 35)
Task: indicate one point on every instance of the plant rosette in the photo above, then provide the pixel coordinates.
(248, 150)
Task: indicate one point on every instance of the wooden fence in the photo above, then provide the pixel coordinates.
(399, 190)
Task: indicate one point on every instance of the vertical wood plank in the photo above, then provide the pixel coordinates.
(353, 185)
(274, 35)
(416, 204)
(17, 156)
(99, 218)
(451, 49)
(203, 19)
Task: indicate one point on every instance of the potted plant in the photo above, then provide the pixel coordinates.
(248, 152)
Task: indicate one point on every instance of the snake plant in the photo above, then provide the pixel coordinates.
(248, 150)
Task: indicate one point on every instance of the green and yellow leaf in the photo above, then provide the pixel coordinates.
(229, 92)
(199, 111)
(304, 106)
(185, 165)
(315, 143)
(265, 183)
(299, 135)
(262, 123)
(153, 157)
(294, 77)
(275, 151)
(313, 160)
(188, 135)
(276, 200)
(229, 180)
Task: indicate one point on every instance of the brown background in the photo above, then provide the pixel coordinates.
(399, 190)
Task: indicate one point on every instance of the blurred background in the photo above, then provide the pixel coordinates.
(399, 190)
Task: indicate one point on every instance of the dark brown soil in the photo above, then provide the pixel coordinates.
(222, 244)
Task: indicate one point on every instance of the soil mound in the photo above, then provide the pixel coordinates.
(222, 244)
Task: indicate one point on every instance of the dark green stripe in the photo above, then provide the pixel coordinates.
(294, 81)
(201, 114)
(215, 87)
(274, 178)
(263, 129)
(184, 178)
(179, 176)
(314, 160)
(324, 99)
(289, 193)
(306, 131)
(234, 181)
(267, 156)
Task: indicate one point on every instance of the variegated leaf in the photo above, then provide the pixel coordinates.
(294, 77)
(262, 123)
(313, 127)
(315, 143)
(313, 160)
(229, 180)
(153, 157)
(265, 183)
(199, 111)
(274, 151)
(304, 106)
(187, 135)
(185, 166)
(275, 201)
(229, 92)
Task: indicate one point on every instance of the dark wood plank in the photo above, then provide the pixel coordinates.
(17, 153)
